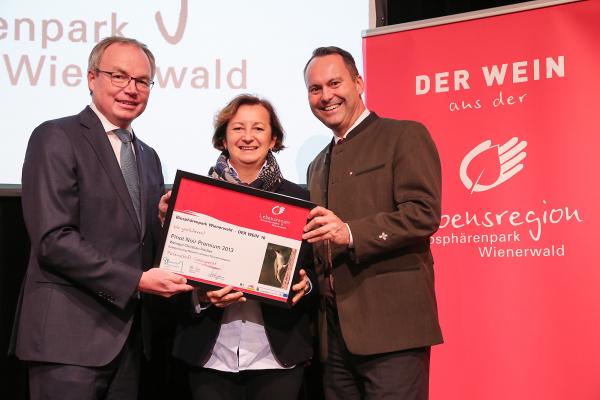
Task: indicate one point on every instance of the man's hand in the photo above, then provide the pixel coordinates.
(325, 225)
(221, 298)
(301, 288)
(162, 283)
(163, 206)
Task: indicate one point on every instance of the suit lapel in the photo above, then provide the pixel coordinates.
(98, 139)
(317, 185)
(324, 181)
(140, 156)
(318, 176)
(362, 126)
(319, 181)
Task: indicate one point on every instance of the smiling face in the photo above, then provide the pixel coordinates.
(120, 105)
(333, 94)
(248, 139)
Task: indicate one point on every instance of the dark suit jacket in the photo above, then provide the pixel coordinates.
(288, 331)
(385, 182)
(88, 251)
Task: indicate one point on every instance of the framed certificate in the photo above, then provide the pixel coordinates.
(219, 234)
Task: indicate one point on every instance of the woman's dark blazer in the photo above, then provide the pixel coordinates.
(288, 330)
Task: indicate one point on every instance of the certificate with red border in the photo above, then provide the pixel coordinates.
(219, 234)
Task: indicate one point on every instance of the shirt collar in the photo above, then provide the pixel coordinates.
(106, 124)
(360, 119)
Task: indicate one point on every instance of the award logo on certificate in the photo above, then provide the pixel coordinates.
(219, 234)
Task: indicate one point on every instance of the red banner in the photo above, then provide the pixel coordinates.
(242, 209)
(511, 102)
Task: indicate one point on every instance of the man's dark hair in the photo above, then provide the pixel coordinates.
(329, 50)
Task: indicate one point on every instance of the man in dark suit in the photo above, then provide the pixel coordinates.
(378, 184)
(90, 194)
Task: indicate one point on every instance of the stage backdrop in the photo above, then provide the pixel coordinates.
(512, 103)
(207, 52)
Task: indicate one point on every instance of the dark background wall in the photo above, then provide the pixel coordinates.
(14, 243)
(391, 12)
(14, 252)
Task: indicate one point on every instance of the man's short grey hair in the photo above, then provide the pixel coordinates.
(101, 46)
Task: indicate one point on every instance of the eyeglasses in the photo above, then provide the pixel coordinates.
(121, 80)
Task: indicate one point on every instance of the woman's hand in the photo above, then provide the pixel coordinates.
(221, 298)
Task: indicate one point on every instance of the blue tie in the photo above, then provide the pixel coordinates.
(129, 169)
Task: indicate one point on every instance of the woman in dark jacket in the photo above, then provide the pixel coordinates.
(235, 347)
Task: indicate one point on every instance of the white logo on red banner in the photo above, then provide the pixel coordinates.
(487, 165)
(278, 210)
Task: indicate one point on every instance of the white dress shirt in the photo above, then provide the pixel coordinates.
(109, 127)
(360, 119)
(242, 343)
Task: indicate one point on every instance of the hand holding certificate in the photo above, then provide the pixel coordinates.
(220, 234)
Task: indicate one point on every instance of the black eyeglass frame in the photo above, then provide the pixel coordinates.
(121, 79)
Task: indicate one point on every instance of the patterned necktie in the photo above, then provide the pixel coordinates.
(129, 168)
